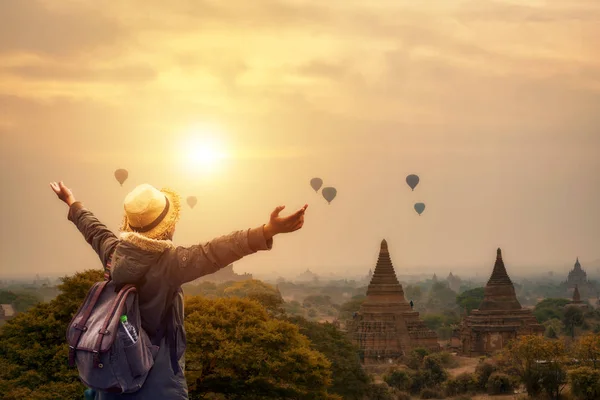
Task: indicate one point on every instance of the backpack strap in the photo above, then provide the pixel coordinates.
(86, 315)
(104, 331)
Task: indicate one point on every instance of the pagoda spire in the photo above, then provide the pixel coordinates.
(577, 266)
(499, 293)
(384, 286)
(499, 274)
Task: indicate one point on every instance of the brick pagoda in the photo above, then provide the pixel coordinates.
(499, 318)
(385, 328)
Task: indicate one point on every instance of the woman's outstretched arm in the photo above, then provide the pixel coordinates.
(190, 263)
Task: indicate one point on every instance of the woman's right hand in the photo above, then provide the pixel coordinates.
(291, 223)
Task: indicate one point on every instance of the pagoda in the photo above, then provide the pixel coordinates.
(578, 278)
(577, 302)
(499, 318)
(385, 328)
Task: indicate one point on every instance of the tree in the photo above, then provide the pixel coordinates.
(548, 309)
(33, 348)
(585, 383)
(349, 380)
(253, 289)
(587, 350)
(350, 307)
(20, 301)
(572, 318)
(236, 349)
(470, 299)
(441, 297)
(539, 362)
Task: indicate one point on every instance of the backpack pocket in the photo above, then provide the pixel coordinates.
(140, 356)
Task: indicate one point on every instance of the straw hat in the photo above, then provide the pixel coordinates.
(151, 212)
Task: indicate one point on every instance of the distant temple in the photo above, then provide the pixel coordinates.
(578, 278)
(434, 279)
(577, 302)
(454, 282)
(499, 318)
(385, 328)
(307, 276)
(226, 274)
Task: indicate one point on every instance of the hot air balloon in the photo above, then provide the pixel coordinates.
(329, 194)
(316, 183)
(192, 200)
(412, 180)
(121, 175)
(419, 208)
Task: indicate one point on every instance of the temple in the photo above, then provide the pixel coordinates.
(385, 328)
(499, 318)
(226, 274)
(577, 302)
(578, 278)
(454, 282)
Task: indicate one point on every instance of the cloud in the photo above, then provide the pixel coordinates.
(83, 73)
(32, 26)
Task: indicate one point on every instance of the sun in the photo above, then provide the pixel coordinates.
(203, 149)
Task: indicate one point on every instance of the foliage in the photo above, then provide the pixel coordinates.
(415, 358)
(573, 318)
(400, 395)
(399, 379)
(538, 361)
(33, 349)
(554, 327)
(499, 383)
(380, 391)
(461, 384)
(483, 371)
(548, 309)
(585, 383)
(470, 299)
(442, 323)
(20, 301)
(441, 297)
(236, 348)
(428, 393)
(348, 377)
(350, 307)
(587, 350)
(253, 289)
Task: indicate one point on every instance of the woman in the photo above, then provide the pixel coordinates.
(145, 255)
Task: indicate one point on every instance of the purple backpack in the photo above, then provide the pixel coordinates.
(105, 361)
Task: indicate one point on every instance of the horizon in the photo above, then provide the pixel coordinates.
(242, 111)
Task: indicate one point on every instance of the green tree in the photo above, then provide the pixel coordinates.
(350, 307)
(349, 380)
(441, 297)
(33, 348)
(236, 349)
(585, 383)
(548, 309)
(470, 299)
(19, 300)
(572, 319)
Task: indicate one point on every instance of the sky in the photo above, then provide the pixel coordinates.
(494, 104)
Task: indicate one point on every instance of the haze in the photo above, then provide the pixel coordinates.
(494, 104)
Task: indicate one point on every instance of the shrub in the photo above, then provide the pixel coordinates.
(463, 383)
(463, 397)
(447, 360)
(428, 393)
(585, 383)
(499, 383)
(483, 372)
(402, 395)
(415, 358)
(380, 391)
(399, 379)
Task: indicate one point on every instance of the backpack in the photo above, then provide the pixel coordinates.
(104, 361)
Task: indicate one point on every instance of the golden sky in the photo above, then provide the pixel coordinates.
(495, 104)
